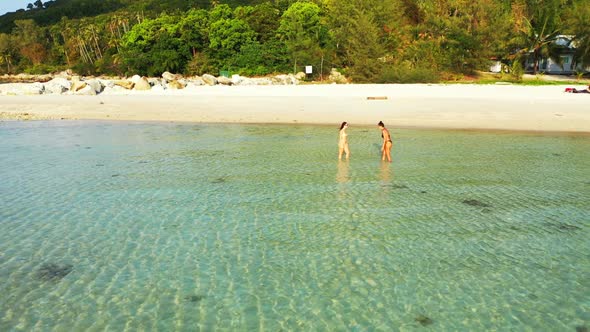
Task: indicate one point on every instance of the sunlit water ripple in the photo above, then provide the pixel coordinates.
(135, 226)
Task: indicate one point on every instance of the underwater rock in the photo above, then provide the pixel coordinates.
(194, 298)
(476, 203)
(219, 180)
(567, 227)
(424, 320)
(581, 328)
(53, 272)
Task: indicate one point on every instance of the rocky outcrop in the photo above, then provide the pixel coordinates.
(169, 77)
(87, 90)
(300, 76)
(77, 86)
(69, 83)
(135, 79)
(96, 85)
(142, 84)
(209, 79)
(20, 89)
(195, 81)
(125, 84)
(285, 80)
(177, 85)
(224, 80)
(337, 77)
(57, 85)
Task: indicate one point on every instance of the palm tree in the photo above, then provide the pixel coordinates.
(539, 44)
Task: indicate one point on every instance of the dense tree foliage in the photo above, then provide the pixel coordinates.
(369, 40)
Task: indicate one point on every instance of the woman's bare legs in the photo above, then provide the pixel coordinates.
(387, 151)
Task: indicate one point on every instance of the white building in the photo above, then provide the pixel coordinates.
(566, 56)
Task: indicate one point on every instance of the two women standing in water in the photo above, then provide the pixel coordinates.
(385, 148)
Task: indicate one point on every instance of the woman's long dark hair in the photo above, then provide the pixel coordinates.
(381, 124)
(343, 124)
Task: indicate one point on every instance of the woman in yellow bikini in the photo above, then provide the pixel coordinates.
(343, 141)
(387, 143)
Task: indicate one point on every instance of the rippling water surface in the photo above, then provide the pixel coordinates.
(128, 226)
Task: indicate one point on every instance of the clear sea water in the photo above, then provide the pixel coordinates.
(225, 227)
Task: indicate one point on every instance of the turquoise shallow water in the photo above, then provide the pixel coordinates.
(182, 227)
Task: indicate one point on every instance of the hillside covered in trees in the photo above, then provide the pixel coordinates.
(369, 40)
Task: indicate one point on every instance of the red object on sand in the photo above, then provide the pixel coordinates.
(569, 89)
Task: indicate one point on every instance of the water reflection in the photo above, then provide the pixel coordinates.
(386, 173)
(343, 173)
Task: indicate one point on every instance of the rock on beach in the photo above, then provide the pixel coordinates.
(71, 84)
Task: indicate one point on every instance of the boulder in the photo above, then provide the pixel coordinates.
(171, 77)
(158, 88)
(135, 78)
(300, 75)
(65, 74)
(77, 86)
(125, 84)
(237, 79)
(154, 82)
(87, 90)
(176, 85)
(142, 84)
(209, 79)
(57, 85)
(95, 84)
(337, 77)
(33, 88)
(261, 81)
(196, 81)
(285, 80)
(107, 83)
(224, 80)
(115, 89)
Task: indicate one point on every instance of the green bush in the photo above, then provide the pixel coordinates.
(42, 69)
(517, 71)
(396, 74)
(84, 69)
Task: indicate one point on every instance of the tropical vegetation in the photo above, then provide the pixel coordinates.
(368, 40)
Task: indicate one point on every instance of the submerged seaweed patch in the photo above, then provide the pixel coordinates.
(567, 227)
(476, 203)
(424, 320)
(53, 272)
(219, 180)
(194, 298)
(581, 328)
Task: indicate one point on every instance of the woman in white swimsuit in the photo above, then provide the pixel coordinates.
(343, 141)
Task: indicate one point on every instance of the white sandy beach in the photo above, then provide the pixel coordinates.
(457, 106)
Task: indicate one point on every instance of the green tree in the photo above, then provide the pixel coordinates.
(8, 52)
(303, 32)
(227, 37)
(155, 46)
(194, 30)
(577, 24)
(30, 39)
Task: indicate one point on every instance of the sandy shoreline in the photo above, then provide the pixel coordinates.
(504, 107)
